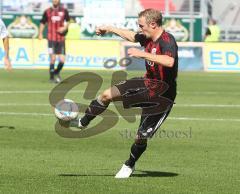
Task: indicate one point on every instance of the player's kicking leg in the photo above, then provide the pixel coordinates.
(97, 107)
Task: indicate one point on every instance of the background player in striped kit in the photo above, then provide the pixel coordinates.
(57, 19)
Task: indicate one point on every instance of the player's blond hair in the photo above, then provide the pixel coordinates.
(151, 15)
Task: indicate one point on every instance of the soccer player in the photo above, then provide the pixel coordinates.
(4, 37)
(56, 18)
(161, 61)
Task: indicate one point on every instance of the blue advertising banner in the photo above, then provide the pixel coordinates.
(80, 54)
(222, 56)
(190, 57)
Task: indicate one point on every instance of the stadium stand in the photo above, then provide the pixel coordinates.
(157, 4)
(186, 4)
(228, 18)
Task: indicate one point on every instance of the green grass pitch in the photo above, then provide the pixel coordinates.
(204, 158)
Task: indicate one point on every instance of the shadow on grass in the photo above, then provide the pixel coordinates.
(7, 127)
(138, 173)
(146, 173)
(82, 175)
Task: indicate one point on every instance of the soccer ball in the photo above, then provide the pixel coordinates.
(66, 110)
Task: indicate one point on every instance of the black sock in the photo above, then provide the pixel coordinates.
(136, 152)
(59, 67)
(95, 108)
(51, 71)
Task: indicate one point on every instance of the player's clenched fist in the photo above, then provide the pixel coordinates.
(102, 30)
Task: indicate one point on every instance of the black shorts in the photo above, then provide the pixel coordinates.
(153, 96)
(57, 48)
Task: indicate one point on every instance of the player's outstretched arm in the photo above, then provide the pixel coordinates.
(125, 34)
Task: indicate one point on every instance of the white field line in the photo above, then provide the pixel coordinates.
(171, 118)
(203, 119)
(24, 114)
(209, 105)
(23, 104)
(119, 103)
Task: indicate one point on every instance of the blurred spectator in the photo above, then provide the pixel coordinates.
(212, 32)
(4, 36)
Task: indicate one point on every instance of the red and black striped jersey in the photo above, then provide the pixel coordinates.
(164, 45)
(55, 18)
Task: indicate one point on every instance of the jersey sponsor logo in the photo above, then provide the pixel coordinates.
(154, 51)
(55, 19)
